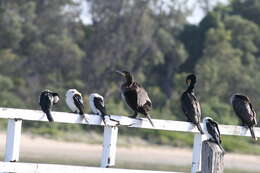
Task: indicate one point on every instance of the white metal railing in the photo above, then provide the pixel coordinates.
(53, 168)
(16, 116)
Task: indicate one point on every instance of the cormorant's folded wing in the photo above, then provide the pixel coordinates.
(189, 107)
(79, 103)
(143, 98)
(244, 110)
(45, 100)
(99, 104)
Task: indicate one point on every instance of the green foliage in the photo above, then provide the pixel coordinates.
(219, 111)
(247, 9)
(240, 145)
(179, 139)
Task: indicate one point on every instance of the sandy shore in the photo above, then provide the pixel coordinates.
(38, 149)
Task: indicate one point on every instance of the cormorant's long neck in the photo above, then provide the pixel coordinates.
(191, 87)
(129, 80)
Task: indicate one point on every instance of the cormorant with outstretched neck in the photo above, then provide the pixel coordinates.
(97, 105)
(245, 111)
(190, 104)
(46, 101)
(135, 96)
(212, 131)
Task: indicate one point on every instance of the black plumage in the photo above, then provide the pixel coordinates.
(46, 101)
(98, 102)
(245, 111)
(190, 104)
(212, 131)
(135, 96)
(78, 103)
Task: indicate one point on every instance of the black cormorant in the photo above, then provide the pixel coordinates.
(245, 111)
(97, 105)
(135, 96)
(212, 131)
(190, 104)
(46, 101)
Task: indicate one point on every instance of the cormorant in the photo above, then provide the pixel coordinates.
(135, 96)
(245, 111)
(212, 131)
(46, 101)
(97, 106)
(75, 102)
(190, 104)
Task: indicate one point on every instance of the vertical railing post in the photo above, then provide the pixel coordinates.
(109, 147)
(196, 154)
(13, 136)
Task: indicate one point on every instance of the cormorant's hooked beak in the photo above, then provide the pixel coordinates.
(121, 73)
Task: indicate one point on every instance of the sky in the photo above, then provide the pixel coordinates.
(198, 14)
(195, 18)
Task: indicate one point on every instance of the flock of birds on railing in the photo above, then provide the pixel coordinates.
(138, 100)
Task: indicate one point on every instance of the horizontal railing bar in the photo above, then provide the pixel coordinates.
(51, 168)
(170, 125)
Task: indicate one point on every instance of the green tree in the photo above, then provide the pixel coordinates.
(245, 36)
(40, 40)
(249, 9)
(219, 69)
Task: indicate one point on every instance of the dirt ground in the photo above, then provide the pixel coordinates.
(38, 149)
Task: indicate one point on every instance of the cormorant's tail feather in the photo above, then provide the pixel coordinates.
(150, 120)
(252, 133)
(103, 119)
(49, 116)
(199, 128)
(81, 112)
(83, 117)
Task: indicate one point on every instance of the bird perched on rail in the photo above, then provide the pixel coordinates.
(46, 101)
(245, 111)
(212, 131)
(135, 96)
(190, 104)
(74, 101)
(97, 106)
